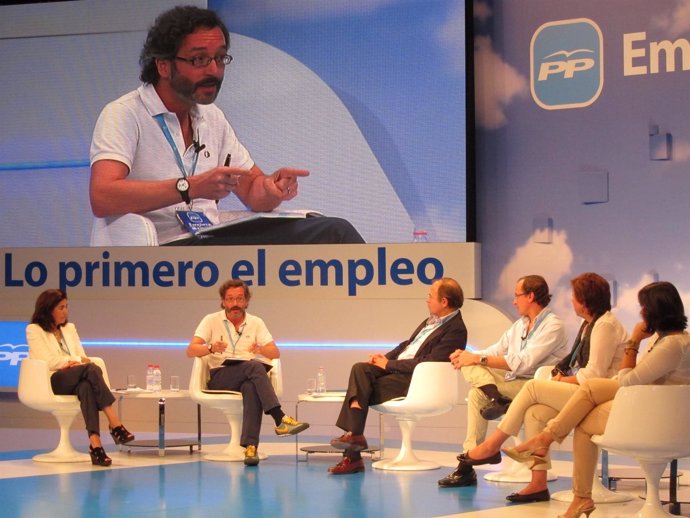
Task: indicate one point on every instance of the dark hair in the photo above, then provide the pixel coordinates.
(166, 34)
(662, 307)
(45, 304)
(450, 290)
(592, 291)
(234, 283)
(536, 284)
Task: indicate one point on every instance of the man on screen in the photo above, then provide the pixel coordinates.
(167, 152)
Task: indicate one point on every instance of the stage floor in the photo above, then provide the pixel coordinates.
(142, 484)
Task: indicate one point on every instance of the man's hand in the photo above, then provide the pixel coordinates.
(217, 183)
(219, 347)
(379, 360)
(462, 358)
(283, 183)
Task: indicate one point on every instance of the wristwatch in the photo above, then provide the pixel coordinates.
(183, 188)
(210, 348)
(484, 360)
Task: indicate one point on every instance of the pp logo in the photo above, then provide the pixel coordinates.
(10, 353)
(567, 64)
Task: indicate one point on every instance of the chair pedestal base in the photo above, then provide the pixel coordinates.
(64, 452)
(406, 459)
(407, 464)
(62, 456)
(515, 472)
(233, 452)
(231, 455)
(652, 504)
(600, 495)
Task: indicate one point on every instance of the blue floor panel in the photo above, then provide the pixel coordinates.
(278, 487)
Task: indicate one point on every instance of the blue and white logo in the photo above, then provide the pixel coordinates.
(13, 349)
(567, 64)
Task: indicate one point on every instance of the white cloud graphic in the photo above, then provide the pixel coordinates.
(451, 35)
(552, 261)
(676, 21)
(497, 84)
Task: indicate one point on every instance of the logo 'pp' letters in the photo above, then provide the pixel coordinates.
(567, 64)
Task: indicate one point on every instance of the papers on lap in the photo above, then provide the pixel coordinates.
(231, 218)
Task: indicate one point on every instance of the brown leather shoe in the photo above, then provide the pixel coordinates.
(347, 466)
(347, 441)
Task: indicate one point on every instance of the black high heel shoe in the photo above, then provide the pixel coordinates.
(99, 457)
(120, 435)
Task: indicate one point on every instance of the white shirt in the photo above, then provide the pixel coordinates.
(432, 324)
(546, 344)
(127, 132)
(215, 327)
(606, 345)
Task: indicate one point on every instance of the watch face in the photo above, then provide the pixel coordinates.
(182, 184)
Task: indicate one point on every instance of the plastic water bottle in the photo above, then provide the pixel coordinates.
(420, 236)
(321, 380)
(157, 378)
(149, 376)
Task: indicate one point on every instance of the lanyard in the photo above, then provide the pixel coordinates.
(537, 322)
(164, 128)
(63, 344)
(239, 335)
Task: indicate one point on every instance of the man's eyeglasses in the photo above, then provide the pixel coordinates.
(204, 61)
(241, 298)
(518, 295)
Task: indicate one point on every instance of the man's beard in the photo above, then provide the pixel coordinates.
(234, 308)
(187, 90)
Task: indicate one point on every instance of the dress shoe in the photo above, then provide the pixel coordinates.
(99, 457)
(495, 408)
(121, 435)
(538, 496)
(492, 459)
(526, 456)
(351, 442)
(347, 466)
(459, 478)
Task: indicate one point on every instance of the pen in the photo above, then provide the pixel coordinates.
(226, 164)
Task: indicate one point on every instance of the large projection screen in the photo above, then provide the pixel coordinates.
(370, 95)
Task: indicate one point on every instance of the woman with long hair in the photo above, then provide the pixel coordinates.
(53, 339)
(596, 353)
(667, 362)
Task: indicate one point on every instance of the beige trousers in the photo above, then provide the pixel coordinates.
(587, 412)
(538, 402)
(478, 376)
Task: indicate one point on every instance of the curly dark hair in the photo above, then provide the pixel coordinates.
(45, 304)
(593, 292)
(662, 307)
(166, 34)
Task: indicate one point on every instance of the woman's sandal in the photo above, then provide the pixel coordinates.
(99, 457)
(120, 435)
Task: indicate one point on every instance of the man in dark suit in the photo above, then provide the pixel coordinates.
(384, 377)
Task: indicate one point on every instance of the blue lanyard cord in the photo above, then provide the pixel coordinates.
(537, 323)
(164, 128)
(239, 335)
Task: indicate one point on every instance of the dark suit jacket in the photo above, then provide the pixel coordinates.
(437, 347)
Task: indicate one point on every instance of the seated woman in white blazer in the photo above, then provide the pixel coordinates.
(52, 339)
